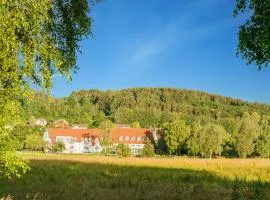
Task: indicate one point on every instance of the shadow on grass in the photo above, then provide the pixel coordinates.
(55, 179)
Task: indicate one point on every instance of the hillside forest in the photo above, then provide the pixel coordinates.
(188, 122)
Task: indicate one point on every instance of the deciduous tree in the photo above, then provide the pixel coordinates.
(123, 150)
(34, 142)
(106, 129)
(193, 142)
(148, 149)
(38, 39)
(254, 34)
(263, 142)
(176, 133)
(212, 138)
(247, 135)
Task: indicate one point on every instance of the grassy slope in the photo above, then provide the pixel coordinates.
(95, 177)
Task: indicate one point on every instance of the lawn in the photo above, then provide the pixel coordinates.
(99, 177)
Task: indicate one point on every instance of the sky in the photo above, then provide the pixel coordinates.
(186, 44)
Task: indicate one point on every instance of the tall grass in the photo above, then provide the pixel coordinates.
(100, 177)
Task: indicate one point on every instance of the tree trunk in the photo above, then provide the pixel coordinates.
(244, 155)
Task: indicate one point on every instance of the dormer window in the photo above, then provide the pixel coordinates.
(121, 138)
(133, 138)
(127, 138)
(139, 138)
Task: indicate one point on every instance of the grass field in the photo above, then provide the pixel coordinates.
(99, 177)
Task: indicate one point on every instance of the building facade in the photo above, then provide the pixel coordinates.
(89, 140)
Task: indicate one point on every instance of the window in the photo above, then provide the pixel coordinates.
(136, 151)
(59, 139)
(127, 138)
(121, 138)
(139, 138)
(133, 138)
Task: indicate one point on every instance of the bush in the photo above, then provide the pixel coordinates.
(148, 149)
(10, 164)
(58, 147)
(241, 190)
(123, 150)
(35, 142)
(135, 125)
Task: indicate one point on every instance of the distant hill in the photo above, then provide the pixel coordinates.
(149, 106)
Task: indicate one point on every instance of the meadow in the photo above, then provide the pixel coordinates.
(58, 176)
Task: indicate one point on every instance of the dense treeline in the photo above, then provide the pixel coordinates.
(191, 122)
(151, 107)
(251, 137)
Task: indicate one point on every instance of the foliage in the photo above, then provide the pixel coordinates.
(123, 150)
(35, 142)
(38, 39)
(237, 189)
(176, 133)
(148, 149)
(247, 135)
(10, 164)
(193, 141)
(151, 107)
(98, 119)
(58, 147)
(211, 139)
(106, 139)
(254, 34)
(241, 190)
(20, 132)
(135, 125)
(263, 142)
(107, 124)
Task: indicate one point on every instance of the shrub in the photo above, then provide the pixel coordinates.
(148, 149)
(58, 147)
(35, 142)
(241, 190)
(135, 125)
(123, 150)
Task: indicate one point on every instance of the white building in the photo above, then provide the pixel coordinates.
(75, 140)
(88, 140)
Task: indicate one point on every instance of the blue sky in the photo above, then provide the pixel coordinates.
(187, 44)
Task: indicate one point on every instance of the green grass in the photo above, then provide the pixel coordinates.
(93, 178)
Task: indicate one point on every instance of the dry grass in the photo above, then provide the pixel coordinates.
(248, 169)
(100, 177)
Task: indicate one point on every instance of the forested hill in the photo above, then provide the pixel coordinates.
(151, 107)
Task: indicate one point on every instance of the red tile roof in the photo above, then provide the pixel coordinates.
(115, 134)
(130, 132)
